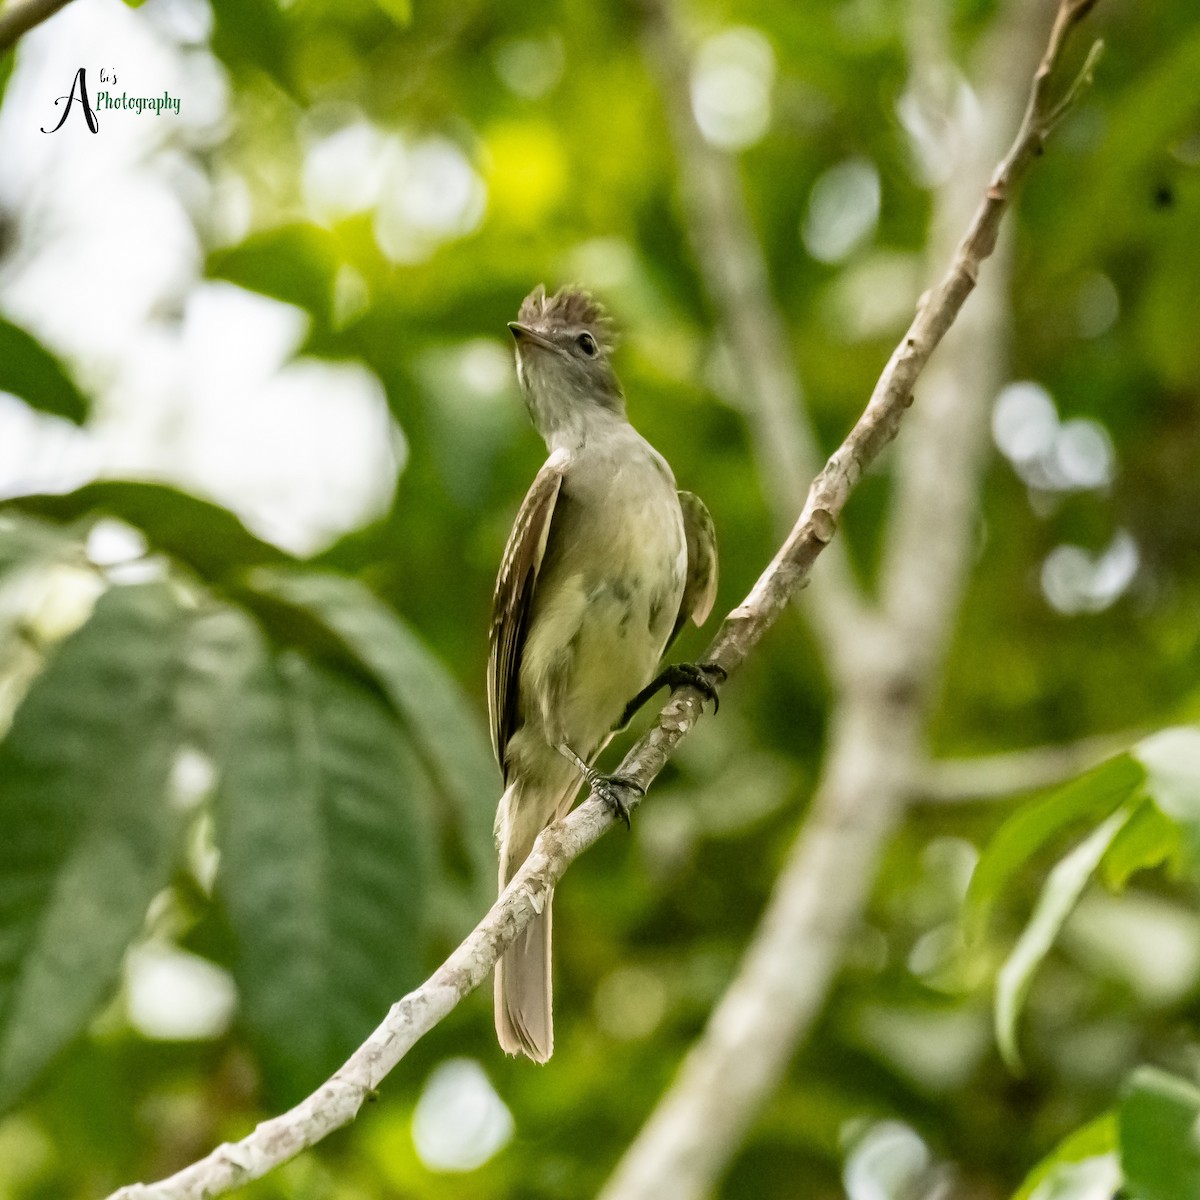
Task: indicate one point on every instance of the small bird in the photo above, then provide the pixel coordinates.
(605, 564)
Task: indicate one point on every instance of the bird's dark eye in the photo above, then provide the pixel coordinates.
(586, 343)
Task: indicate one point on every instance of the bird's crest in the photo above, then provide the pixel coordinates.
(570, 307)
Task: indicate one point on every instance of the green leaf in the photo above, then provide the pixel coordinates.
(1059, 897)
(445, 728)
(89, 836)
(1054, 1175)
(7, 61)
(294, 263)
(1149, 840)
(253, 33)
(204, 536)
(1157, 1122)
(399, 10)
(1172, 761)
(1093, 795)
(29, 370)
(321, 821)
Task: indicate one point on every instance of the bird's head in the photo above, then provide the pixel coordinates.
(564, 359)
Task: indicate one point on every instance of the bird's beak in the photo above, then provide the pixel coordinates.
(522, 333)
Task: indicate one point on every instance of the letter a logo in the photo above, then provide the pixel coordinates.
(80, 83)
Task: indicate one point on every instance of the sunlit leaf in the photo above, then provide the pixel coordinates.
(1157, 1121)
(29, 370)
(1149, 840)
(1172, 761)
(1054, 1175)
(204, 536)
(446, 730)
(1092, 796)
(89, 835)
(322, 824)
(399, 10)
(1060, 895)
(7, 60)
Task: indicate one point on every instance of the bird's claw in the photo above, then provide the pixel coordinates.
(699, 676)
(611, 789)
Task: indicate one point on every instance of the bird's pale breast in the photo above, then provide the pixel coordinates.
(608, 595)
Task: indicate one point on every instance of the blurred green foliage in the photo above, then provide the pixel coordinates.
(339, 700)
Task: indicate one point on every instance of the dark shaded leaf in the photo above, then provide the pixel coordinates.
(29, 370)
(89, 836)
(253, 33)
(321, 819)
(446, 730)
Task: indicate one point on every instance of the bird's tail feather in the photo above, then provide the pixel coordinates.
(524, 1017)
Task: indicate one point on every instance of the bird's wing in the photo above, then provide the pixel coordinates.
(514, 598)
(700, 589)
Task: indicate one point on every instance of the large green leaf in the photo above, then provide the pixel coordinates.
(89, 836)
(1157, 1121)
(321, 818)
(1058, 899)
(293, 263)
(1094, 795)
(446, 730)
(29, 370)
(204, 536)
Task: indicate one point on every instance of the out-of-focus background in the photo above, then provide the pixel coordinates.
(260, 447)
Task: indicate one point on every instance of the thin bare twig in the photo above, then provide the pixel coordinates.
(18, 19)
(337, 1101)
(735, 275)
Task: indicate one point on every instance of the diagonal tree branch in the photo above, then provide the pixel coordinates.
(876, 740)
(337, 1101)
(735, 276)
(16, 20)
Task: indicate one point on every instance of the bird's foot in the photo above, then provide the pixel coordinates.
(616, 791)
(702, 676)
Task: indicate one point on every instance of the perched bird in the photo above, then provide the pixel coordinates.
(603, 567)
